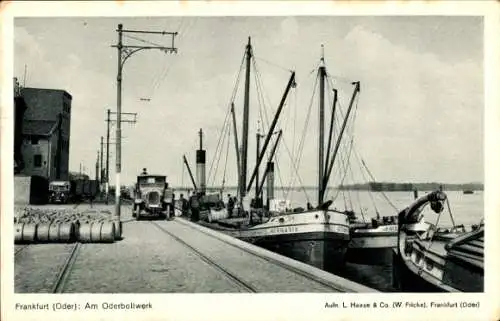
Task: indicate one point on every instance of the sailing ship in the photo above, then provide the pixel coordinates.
(433, 259)
(317, 235)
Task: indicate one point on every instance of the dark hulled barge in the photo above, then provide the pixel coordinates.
(433, 259)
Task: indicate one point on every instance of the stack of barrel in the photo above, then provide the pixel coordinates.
(35, 225)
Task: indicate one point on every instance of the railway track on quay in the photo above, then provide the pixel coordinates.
(240, 267)
(66, 269)
(174, 256)
(234, 278)
(44, 268)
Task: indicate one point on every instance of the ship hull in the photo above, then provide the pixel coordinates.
(319, 249)
(305, 237)
(407, 279)
(424, 266)
(372, 246)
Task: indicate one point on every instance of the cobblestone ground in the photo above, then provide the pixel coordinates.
(36, 267)
(148, 260)
(145, 261)
(260, 273)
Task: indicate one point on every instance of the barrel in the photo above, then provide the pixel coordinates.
(64, 232)
(214, 215)
(97, 232)
(118, 229)
(25, 233)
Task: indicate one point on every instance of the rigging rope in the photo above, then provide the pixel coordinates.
(273, 64)
(225, 165)
(166, 70)
(260, 85)
(370, 192)
(228, 112)
(296, 175)
(374, 180)
(296, 162)
(226, 128)
(263, 96)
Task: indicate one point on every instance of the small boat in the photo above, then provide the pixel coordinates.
(432, 259)
(468, 191)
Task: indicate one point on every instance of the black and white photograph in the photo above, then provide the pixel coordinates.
(209, 152)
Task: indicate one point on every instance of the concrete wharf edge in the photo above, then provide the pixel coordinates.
(342, 284)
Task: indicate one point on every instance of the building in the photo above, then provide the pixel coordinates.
(19, 110)
(46, 133)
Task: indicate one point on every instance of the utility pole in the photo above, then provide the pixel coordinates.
(109, 121)
(97, 168)
(107, 157)
(101, 176)
(124, 52)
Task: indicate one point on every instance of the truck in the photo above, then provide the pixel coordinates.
(61, 191)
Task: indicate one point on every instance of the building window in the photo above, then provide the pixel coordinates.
(34, 140)
(66, 107)
(37, 159)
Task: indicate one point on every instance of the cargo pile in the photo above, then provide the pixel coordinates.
(36, 225)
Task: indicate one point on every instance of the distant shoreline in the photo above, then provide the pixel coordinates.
(374, 186)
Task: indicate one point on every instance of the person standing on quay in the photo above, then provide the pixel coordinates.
(172, 207)
(230, 205)
(184, 204)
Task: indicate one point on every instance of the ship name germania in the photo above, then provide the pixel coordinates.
(444, 305)
(32, 306)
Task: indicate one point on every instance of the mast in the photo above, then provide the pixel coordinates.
(291, 83)
(189, 171)
(246, 111)
(257, 157)
(335, 151)
(321, 142)
(238, 162)
(330, 134)
(270, 170)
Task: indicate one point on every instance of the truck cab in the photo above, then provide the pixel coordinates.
(150, 194)
(59, 192)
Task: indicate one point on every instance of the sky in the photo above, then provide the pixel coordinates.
(418, 116)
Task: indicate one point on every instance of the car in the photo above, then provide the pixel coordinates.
(150, 196)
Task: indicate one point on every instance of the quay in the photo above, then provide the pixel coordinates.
(166, 256)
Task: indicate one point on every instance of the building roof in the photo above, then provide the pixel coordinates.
(39, 127)
(28, 89)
